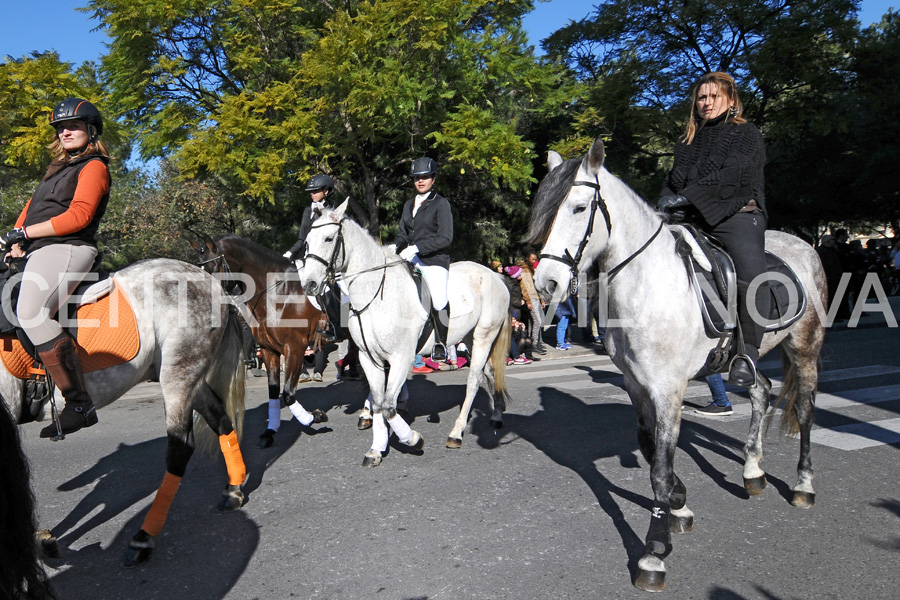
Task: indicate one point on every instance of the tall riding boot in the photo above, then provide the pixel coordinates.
(63, 366)
(441, 326)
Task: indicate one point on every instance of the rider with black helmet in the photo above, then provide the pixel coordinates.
(319, 188)
(57, 232)
(424, 235)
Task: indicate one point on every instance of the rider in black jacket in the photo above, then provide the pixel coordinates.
(425, 233)
(718, 170)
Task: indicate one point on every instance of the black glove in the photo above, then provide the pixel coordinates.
(670, 201)
(12, 237)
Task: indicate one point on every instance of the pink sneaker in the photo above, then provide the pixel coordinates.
(522, 360)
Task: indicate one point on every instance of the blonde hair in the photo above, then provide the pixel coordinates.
(724, 84)
(95, 146)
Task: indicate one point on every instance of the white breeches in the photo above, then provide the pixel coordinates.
(436, 279)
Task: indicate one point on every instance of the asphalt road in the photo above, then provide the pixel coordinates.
(554, 505)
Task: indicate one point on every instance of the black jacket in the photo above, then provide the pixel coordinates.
(431, 231)
(306, 222)
(721, 170)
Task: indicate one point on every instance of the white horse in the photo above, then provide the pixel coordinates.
(190, 340)
(387, 317)
(584, 215)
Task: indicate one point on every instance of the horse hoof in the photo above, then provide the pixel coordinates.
(681, 524)
(372, 459)
(804, 499)
(319, 416)
(454, 443)
(755, 485)
(139, 550)
(47, 544)
(266, 439)
(364, 424)
(232, 499)
(650, 581)
(496, 424)
(417, 442)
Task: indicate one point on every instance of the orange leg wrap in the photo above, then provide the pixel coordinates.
(234, 460)
(156, 517)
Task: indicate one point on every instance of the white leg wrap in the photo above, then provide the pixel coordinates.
(298, 411)
(401, 428)
(379, 434)
(274, 414)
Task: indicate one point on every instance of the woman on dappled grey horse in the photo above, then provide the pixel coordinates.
(57, 231)
(718, 170)
(425, 233)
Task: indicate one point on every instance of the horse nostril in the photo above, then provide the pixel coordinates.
(310, 288)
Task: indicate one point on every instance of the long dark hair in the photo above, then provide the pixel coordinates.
(22, 575)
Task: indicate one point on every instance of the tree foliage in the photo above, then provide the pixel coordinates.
(264, 93)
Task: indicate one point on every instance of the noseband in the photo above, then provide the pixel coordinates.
(572, 263)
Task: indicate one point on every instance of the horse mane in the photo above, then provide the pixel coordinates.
(22, 574)
(265, 254)
(550, 195)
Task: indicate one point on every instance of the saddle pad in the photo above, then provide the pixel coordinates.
(107, 336)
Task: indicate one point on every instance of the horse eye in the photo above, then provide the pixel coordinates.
(579, 209)
(329, 239)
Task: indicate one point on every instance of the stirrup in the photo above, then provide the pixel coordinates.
(737, 376)
(439, 352)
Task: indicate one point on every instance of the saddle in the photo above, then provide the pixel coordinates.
(425, 298)
(101, 321)
(713, 279)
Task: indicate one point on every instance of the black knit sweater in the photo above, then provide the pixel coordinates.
(721, 170)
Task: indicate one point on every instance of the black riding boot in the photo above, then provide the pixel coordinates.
(441, 325)
(64, 367)
(743, 368)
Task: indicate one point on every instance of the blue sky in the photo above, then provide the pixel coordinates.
(42, 25)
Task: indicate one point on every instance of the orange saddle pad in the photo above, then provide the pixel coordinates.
(107, 336)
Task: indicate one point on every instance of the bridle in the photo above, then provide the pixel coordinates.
(332, 276)
(226, 269)
(573, 262)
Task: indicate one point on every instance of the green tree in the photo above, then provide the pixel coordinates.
(263, 94)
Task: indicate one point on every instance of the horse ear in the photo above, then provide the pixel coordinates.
(194, 244)
(211, 245)
(340, 210)
(553, 160)
(593, 162)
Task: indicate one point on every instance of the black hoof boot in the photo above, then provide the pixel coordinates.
(72, 418)
(319, 416)
(266, 439)
(139, 550)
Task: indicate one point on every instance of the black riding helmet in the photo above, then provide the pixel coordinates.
(423, 166)
(78, 109)
(320, 182)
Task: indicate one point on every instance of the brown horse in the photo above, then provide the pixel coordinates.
(280, 316)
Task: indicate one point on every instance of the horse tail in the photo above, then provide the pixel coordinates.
(226, 378)
(499, 354)
(790, 393)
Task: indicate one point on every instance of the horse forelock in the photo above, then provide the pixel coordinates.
(550, 195)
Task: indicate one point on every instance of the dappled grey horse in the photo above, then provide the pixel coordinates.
(655, 335)
(387, 317)
(190, 340)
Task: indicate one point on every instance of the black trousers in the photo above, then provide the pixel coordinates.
(744, 237)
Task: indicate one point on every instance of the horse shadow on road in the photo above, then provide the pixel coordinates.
(576, 435)
(199, 553)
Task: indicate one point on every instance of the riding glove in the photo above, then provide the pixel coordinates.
(12, 237)
(288, 255)
(408, 252)
(672, 201)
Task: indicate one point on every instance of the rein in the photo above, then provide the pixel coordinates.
(573, 262)
(227, 270)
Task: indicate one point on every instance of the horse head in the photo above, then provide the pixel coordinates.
(571, 219)
(325, 256)
(209, 257)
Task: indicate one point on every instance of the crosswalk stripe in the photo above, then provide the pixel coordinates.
(857, 436)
